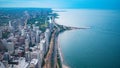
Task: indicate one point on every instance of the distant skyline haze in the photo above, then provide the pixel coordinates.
(69, 4)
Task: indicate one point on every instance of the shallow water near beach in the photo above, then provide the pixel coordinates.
(97, 47)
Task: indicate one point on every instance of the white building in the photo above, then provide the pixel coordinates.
(34, 63)
(28, 37)
(4, 41)
(47, 38)
(10, 47)
(42, 45)
(22, 32)
(35, 27)
(26, 44)
(21, 63)
(51, 25)
(37, 55)
(32, 36)
(38, 36)
(10, 25)
(0, 33)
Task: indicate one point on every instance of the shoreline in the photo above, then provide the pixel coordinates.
(62, 30)
(61, 54)
(54, 48)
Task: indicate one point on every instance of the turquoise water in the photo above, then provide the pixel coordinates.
(98, 47)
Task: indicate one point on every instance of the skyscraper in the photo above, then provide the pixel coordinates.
(10, 47)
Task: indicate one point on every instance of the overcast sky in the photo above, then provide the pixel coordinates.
(94, 4)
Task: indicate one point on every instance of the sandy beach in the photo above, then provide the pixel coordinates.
(61, 55)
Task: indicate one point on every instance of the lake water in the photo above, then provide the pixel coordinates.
(98, 47)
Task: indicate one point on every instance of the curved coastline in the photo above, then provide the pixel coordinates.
(59, 57)
(61, 54)
(62, 29)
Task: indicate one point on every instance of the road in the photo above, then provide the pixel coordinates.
(51, 57)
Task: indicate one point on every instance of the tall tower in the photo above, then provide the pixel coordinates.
(53, 19)
(25, 24)
(10, 47)
(10, 25)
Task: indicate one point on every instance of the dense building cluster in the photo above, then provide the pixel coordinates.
(24, 46)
